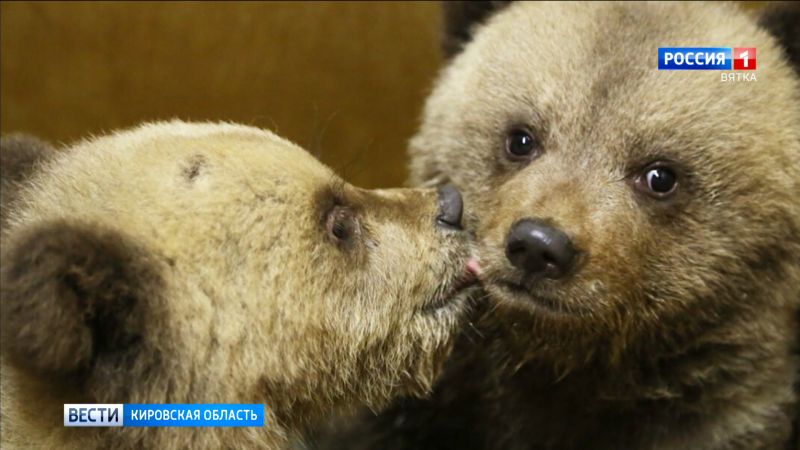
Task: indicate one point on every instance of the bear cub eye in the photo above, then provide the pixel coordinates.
(521, 145)
(341, 225)
(657, 180)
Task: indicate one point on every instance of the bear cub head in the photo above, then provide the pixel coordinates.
(632, 209)
(181, 263)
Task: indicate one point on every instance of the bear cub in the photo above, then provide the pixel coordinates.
(216, 263)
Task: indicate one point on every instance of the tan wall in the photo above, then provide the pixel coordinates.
(346, 78)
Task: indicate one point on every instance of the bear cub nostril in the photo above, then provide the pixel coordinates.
(451, 207)
(539, 249)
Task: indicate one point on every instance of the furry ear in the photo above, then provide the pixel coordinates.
(69, 293)
(782, 20)
(19, 156)
(461, 17)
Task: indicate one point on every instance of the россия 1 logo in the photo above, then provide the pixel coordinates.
(710, 58)
(706, 58)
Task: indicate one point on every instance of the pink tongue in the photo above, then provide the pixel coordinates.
(474, 267)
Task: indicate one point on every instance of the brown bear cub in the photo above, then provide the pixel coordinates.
(639, 231)
(216, 263)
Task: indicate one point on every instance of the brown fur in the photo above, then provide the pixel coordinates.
(677, 328)
(191, 263)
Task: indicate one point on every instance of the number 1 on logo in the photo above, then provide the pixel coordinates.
(744, 58)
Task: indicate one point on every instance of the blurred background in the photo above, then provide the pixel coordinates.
(345, 79)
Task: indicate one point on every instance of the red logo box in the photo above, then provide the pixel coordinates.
(744, 58)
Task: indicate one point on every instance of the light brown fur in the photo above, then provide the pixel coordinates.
(190, 263)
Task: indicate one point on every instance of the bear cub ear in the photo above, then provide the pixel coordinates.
(69, 293)
(460, 18)
(20, 155)
(782, 20)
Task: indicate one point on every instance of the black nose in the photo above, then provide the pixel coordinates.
(450, 207)
(539, 249)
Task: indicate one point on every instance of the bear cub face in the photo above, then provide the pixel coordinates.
(624, 199)
(219, 263)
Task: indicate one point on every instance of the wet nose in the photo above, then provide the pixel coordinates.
(539, 249)
(451, 206)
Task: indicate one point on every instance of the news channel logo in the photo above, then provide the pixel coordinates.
(163, 415)
(739, 62)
